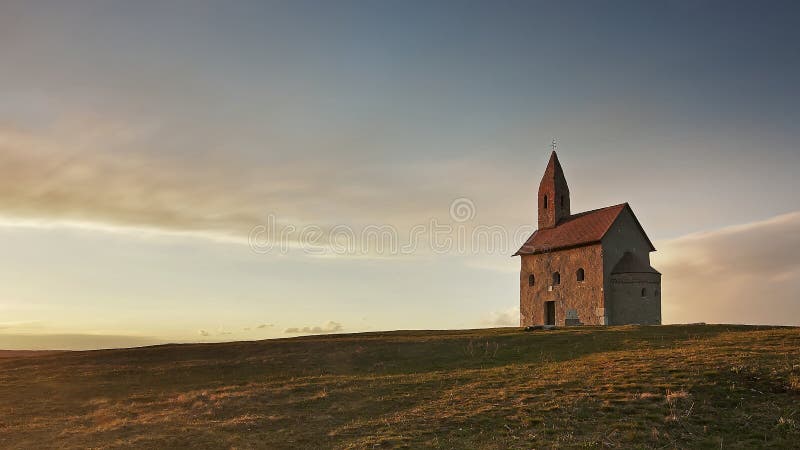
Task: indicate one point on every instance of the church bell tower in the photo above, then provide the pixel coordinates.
(553, 194)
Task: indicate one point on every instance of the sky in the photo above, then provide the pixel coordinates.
(213, 171)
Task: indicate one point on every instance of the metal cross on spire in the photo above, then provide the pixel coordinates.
(553, 144)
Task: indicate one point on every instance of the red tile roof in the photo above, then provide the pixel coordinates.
(574, 231)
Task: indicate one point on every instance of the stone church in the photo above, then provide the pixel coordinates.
(589, 268)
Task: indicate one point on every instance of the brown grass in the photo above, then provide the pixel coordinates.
(620, 387)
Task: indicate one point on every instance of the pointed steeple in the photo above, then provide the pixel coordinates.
(553, 194)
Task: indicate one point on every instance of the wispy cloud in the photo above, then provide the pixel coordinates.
(328, 327)
(84, 173)
(504, 318)
(747, 273)
(107, 174)
(21, 326)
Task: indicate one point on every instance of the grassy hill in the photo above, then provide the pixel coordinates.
(671, 386)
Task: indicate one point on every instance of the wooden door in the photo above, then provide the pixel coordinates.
(549, 313)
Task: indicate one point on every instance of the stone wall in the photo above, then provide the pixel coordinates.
(626, 303)
(577, 302)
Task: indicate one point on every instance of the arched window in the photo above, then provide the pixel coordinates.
(579, 275)
(531, 280)
(556, 278)
(644, 292)
(562, 201)
(545, 202)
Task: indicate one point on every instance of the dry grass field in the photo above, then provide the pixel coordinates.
(713, 386)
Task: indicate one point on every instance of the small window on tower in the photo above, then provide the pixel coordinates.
(531, 280)
(579, 275)
(545, 202)
(556, 278)
(644, 292)
(562, 201)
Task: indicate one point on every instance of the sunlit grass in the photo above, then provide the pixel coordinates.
(671, 386)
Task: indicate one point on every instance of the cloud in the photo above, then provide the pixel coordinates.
(265, 325)
(505, 318)
(83, 173)
(21, 326)
(741, 274)
(203, 333)
(125, 173)
(109, 173)
(329, 327)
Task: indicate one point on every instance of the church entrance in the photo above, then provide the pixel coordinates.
(549, 313)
